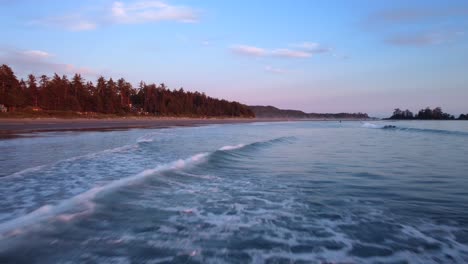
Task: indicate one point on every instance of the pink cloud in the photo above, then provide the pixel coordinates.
(288, 53)
(249, 50)
(40, 62)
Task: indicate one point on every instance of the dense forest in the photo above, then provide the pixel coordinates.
(58, 93)
(273, 112)
(425, 114)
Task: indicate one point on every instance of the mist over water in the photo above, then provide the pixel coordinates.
(292, 192)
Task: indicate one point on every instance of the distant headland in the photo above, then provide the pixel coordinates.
(425, 114)
(273, 112)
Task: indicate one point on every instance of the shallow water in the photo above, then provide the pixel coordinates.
(305, 192)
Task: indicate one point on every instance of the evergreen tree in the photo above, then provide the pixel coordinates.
(61, 94)
(33, 91)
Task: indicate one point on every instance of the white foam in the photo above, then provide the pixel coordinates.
(148, 137)
(28, 170)
(145, 140)
(90, 155)
(85, 199)
(370, 125)
(232, 147)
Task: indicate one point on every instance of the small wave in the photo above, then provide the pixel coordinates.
(257, 144)
(85, 199)
(411, 129)
(370, 125)
(145, 140)
(272, 142)
(86, 156)
(433, 131)
(61, 210)
(232, 147)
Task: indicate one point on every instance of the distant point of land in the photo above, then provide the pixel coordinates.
(424, 114)
(273, 112)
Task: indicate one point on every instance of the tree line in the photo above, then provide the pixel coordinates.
(425, 114)
(58, 93)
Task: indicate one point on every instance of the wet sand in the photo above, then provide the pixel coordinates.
(19, 127)
(12, 128)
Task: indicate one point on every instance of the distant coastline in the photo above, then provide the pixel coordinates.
(273, 112)
(424, 114)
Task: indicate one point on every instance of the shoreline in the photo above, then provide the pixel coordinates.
(26, 127)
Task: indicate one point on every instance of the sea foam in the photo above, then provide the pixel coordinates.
(232, 147)
(85, 199)
(370, 125)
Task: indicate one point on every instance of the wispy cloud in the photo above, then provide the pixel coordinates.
(253, 51)
(249, 50)
(422, 26)
(300, 50)
(423, 39)
(312, 47)
(151, 11)
(289, 53)
(416, 14)
(38, 61)
(39, 54)
(134, 12)
(71, 22)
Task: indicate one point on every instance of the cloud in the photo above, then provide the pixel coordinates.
(249, 51)
(151, 11)
(422, 26)
(36, 54)
(72, 22)
(135, 12)
(300, 50)
(275, 70)
(37, 61)
(312, 47)
(253, 51)
(82, 26)
(412, 15)
(288, 53)
(423, 39)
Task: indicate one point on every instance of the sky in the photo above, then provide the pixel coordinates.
(316, 56)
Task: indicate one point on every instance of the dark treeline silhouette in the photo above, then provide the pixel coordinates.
(424, 114)
(58, 93)
(463, 117)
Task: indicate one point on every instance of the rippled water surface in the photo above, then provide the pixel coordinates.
(292, 192)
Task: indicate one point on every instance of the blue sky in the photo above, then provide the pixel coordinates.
(317, 56)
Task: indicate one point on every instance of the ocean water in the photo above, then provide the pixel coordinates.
(286, 192)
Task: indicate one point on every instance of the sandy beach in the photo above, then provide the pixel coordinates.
(14, 127)
(25, 127)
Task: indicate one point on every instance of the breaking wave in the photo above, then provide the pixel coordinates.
(418, 130)
(85, 199)
(370, 125)
(231, 147)
(83, 204)
(144, 139)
